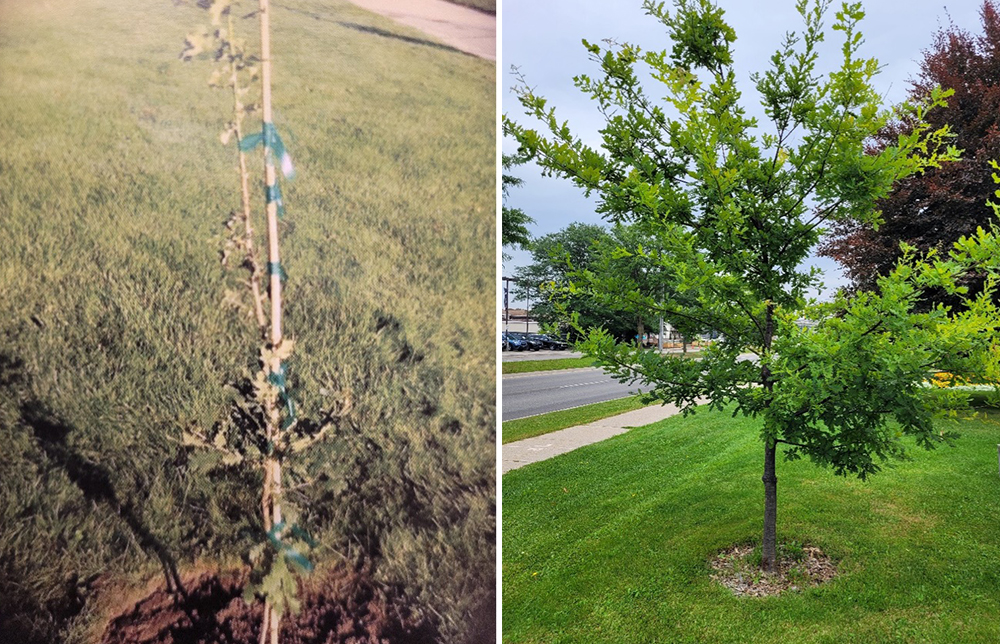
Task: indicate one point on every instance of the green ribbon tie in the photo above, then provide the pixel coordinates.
(291, 553)
(275, 268)
(278, 379)
(273, 195)
(274, 148)
(290, 417)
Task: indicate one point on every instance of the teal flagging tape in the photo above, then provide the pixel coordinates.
(278, 379)
(250, 141)
(272, 141)
(273, 195)
(273, 145)
(274, 148)
(290, 416)
(291, 553)
(275, 268)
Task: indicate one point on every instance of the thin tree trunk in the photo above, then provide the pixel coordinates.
(258, 299)
(251, 255)
(264, 628)
(769, 547)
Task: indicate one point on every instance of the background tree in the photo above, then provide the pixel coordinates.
(558, 258)
(935, 208)
(627, 276)
(514, 223)
(736, 210)
(622, 260)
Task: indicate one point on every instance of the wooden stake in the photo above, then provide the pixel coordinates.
(272, 466)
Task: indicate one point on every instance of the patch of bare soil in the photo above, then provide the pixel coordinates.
(799, 567)
(339, 606)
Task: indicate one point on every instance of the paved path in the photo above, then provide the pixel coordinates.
(465, 29)
(531, 450)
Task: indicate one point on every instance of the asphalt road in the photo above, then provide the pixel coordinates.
(529, 394)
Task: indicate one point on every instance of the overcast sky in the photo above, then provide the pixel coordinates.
(542, 38)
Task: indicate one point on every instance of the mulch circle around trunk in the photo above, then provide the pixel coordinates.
(799, 567)
(339, 606)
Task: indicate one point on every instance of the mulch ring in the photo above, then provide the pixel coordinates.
(799, 567)
(339, 606)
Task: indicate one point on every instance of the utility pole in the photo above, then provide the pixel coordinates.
(527, 307)
(506, 309)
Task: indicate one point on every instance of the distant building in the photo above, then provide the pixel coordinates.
(517, 320)
(670, 334)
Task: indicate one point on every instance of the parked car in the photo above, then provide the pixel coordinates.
(549, 342)
(530, 344)
(512, 342)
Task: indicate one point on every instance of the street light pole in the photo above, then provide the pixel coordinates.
(506, 309)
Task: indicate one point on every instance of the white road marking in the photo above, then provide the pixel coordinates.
(583, 384)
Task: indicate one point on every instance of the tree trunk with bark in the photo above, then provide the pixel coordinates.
(769, 548)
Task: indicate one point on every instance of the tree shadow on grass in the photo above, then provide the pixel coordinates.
(368, 29)
(388, 34)
(94, 482)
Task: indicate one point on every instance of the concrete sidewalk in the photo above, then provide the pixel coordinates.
(465, 29)
(531, 450)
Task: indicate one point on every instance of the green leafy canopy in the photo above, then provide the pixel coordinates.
(735, 207)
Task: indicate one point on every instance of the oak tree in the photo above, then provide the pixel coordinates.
(736, 206)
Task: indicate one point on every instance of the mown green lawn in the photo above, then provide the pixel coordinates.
(611, 542)
(116, 336)
(557, 364)
(526, 366)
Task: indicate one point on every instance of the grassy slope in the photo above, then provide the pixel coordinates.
(113, 185)
(610, 543)
(515, 430)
